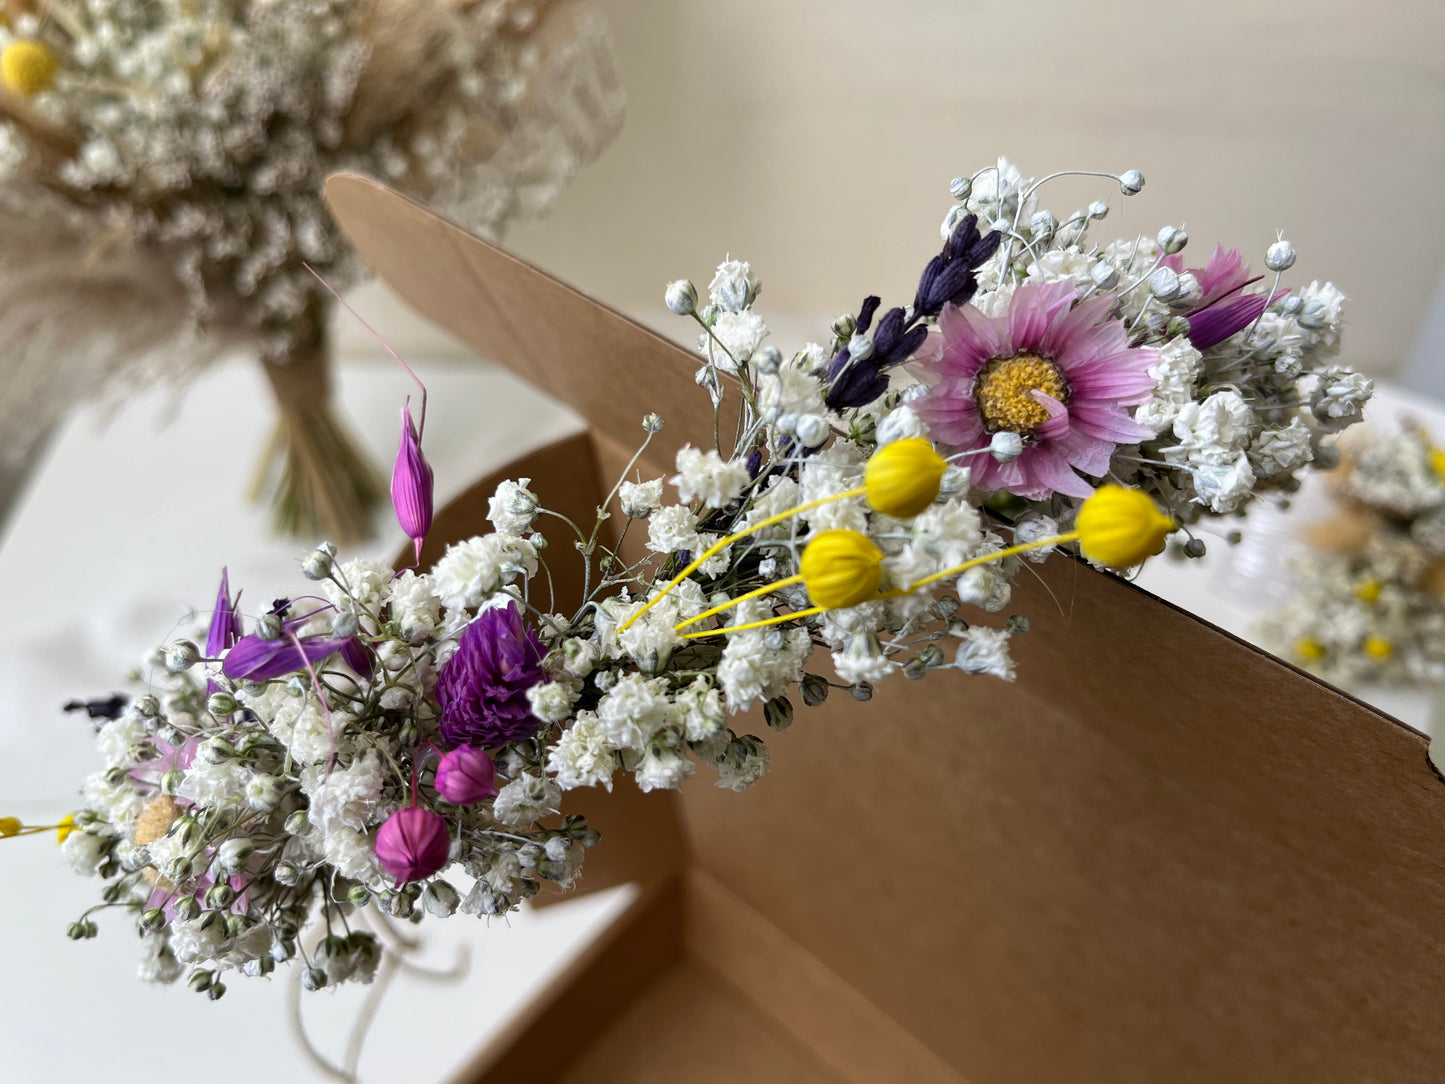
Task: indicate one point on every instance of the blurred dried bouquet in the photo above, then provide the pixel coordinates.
(160, 188)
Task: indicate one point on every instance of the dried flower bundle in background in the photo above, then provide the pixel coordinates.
(160, 186)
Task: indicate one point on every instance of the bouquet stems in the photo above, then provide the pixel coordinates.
(319, 481)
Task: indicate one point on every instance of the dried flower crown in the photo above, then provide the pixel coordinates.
(370, 746)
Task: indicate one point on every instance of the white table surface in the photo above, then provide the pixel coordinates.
(124, 528)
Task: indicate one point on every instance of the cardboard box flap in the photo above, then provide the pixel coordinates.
(1160, 854)
(591, 358)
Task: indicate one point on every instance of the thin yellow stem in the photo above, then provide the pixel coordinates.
(999, 555)
(778, 620)
(755, 593)
(722, 543)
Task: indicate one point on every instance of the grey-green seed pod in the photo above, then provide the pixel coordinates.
(815, 689)
(181, 655)
(681, 297)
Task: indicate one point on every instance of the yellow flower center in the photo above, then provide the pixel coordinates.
(155, 819)
(1377, 647)
(1005, 392)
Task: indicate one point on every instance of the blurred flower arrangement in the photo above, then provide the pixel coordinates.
(403, 742)
(1369, 606)
(160, 188)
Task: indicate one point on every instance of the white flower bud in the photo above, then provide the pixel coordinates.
(221, 704)
(1279, 256)
(1043, 226)
(844, 326)
(860, 347)
(268, 627)
(181, 655)
(767, 360)
(316, 565)
(1164, 283)
(1104, 274)
(1006, 446)
(1098, 209)
(681, 297)
(652, 423)
(811, 430)
(231, 855)
(1131, 182)
(345, 624)
(1172, 239)
(959, 188)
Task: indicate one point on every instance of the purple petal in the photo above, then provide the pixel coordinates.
(255, 659)
(1211, 326)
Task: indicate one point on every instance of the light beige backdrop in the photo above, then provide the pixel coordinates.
(816, 139)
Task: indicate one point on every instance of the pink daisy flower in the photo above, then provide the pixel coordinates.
(1060, 376)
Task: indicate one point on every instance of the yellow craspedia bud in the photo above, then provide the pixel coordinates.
(1377, 647)
(1368, 591)
(9, 826)
(902, 478)
(1309, 650)
(1437, 462)
(841, 568)
(1120, 527)
(27, 67)
(65, 827)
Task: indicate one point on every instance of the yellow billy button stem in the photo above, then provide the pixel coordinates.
(27, 67)
(900, 480)
(1121, 527)
(839, 568)
(11, 826)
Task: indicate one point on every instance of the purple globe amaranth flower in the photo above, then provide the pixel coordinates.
(413, 844)
(411, 484)
(482, 689)
(465, 776)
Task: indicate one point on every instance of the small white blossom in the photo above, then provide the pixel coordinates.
(672, 528)
(1282, 449)
(84, 852)
(513, 507)
(708, 477)
(640, 499)
(582, 756)
(862, 660)
(414, 605)
(633, 711)
(1215, 431)
(1340, 399)
(470, 572)
(734, 287)
(526, 800)
(699, 709)
(1223, 486)
(662, 770)
(735, 337)
(985, 651)
(551, 701)
(900, 423)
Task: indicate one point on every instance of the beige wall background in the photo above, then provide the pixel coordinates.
(816, 138)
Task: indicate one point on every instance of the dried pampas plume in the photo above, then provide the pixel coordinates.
(161, 166)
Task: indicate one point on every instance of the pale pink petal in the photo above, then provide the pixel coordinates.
(1058, 424)
(1033, 308)
(1049, 468)
(1106, 422)
(1087, 454)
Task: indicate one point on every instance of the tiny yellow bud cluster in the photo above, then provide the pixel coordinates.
(1120, 527)
(903, 478)
(841, 569)
(27, 67)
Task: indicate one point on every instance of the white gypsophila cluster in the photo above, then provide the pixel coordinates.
(171, 165)
(1370, 609)
(1215, 329)
(362, 746)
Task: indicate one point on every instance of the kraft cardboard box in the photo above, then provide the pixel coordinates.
(1160, 855)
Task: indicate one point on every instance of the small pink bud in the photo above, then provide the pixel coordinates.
(411, 484)
(466, 775)
(413, 844)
